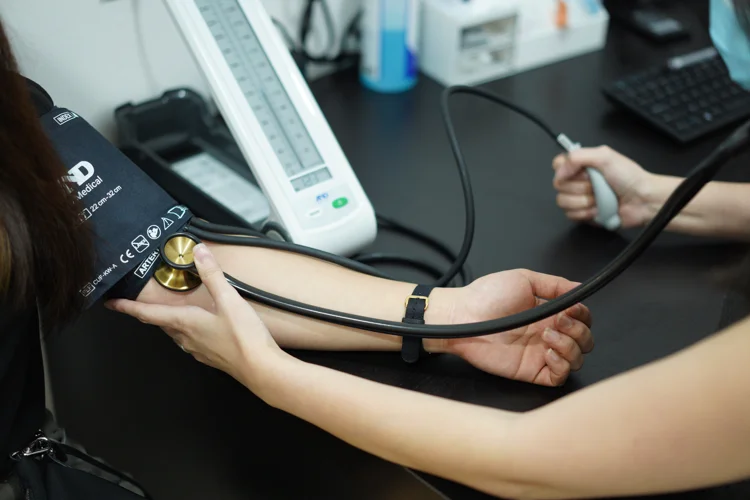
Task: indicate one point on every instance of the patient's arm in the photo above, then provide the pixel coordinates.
(318, 283)
(543, 353)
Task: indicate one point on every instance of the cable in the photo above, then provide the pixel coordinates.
(148, 68)
(263, 242)
(685, 192)
(218, 228)
(278, 228)
(285, 34)
(475, 91)
(306, 25)
(330, 25)
(392, 225)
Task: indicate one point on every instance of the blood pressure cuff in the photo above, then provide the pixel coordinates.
(129, 214)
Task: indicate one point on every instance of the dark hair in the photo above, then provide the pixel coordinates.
(45, 251)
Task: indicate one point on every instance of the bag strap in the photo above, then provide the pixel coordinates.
(69, 450)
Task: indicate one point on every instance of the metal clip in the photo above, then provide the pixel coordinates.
(40, 446)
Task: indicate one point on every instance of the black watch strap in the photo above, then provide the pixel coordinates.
(416, 306)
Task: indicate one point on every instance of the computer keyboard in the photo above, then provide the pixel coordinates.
(688, 98)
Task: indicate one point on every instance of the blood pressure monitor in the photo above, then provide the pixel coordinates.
(281, 131)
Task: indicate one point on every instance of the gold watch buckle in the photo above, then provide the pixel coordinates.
(418, 297)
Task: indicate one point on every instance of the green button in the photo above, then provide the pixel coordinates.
(340, 203)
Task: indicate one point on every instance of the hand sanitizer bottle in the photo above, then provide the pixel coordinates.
(390, 31)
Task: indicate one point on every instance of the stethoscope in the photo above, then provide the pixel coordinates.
(177, 271)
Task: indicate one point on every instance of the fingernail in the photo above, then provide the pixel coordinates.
(551, 336)
(553, 355)
(109, 306)
(564, 321)
(201, 253)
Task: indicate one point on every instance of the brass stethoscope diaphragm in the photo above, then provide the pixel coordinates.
(177, 271)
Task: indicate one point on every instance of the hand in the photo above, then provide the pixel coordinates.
(543, 353)
(628, 180)
(231, 338)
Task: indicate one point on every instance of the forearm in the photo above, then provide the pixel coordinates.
(677, 424)
(320, 284)
(469, 444)
(669, 426)
(721, 209)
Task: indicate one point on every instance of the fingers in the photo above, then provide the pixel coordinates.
(547, 286)
(176, 318)
(565, 347)
(581, 313)
(213, 277)
(556, 372)
(582, 186)
(584, 215)
(576, 201)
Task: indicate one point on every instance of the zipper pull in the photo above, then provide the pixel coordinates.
(40, 446)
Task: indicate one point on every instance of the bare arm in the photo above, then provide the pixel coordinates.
(721, 209)
(317, 283)
(530, 354)
(676, 424)
(680, 423)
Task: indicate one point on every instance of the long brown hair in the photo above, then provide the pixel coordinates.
(45, 252)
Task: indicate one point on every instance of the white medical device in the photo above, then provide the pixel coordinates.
(279, 127)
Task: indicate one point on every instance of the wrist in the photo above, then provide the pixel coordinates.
(442, 305)
(263, 373)
(653, 191)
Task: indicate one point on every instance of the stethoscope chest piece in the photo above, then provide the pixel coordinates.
(177, 270)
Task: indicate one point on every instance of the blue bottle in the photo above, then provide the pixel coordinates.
(389, 45)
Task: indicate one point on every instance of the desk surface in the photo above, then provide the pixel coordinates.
(187, 431)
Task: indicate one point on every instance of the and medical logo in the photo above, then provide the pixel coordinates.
(146, 265)
(153, 232)
(65, 117)
(129, 256)
(178, 212)
(140, 244)
(88, 290)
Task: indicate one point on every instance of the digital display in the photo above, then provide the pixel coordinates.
(311, 179)
(263, 90)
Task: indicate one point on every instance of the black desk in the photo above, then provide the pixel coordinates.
(189, 432)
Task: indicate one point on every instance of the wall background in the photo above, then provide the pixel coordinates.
(93, 55)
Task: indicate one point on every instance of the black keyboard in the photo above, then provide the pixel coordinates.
(689, 97)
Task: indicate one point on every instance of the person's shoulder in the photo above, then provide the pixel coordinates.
(43, 102)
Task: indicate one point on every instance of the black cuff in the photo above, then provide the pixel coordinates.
(416, 306)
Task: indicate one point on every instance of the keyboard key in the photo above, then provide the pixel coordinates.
(708, 116)
(659, 108)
